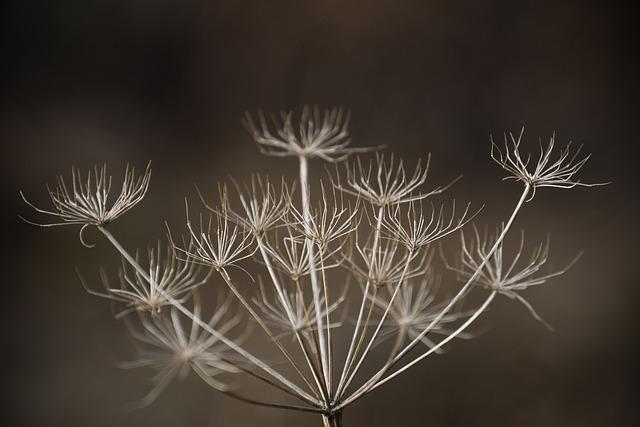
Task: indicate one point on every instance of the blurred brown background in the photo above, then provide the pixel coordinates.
(92, 81)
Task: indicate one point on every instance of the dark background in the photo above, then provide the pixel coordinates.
(91, 81)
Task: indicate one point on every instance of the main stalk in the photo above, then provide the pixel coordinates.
(332, 420)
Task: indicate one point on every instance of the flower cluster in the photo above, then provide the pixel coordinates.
(375, 227)
(490, 270)
(86, 201)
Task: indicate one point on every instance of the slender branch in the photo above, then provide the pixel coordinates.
(435, 348)
(459, 295)
(260, 377)
(328, 320)
(252, 401)
(382, 320)
(352, 353)
(294, 389)
(304, 186)
(266, 329)
(285, 304)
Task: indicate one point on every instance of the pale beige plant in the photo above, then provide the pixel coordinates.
(375, 225)
(170, 277)
(505, 278)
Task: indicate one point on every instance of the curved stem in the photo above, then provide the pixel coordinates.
(289, 387)
(358, 393)
(435, 348)
(266, 329)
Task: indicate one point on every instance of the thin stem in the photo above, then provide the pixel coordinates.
(313, 339)
(252, 401)
(328, 320)
(304, 186)
(472, 279)
(266, 329)
(381, 321)
(458, 296)
(259, 376)
(352, 353)
(363, 392)
(293, 389)
(285, 304)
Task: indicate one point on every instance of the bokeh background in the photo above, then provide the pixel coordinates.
(94, 81)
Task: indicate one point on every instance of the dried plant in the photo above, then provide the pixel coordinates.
(559, 173)
(170, 277)
(87, 202)
(325, 136)
(505, 279)
(376, 227)
(166, 347)
(416, 305)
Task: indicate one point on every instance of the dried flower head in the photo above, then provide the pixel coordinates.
(325, 136)
(388, 264)
(293, 256)
(296, 241)
(329, 222)
(559, 173)
(215, 242)
(172, 351)
(497, 275)
(301, 318)
(263, 205)
(168, 278)
(414, 230)
(414, 308)
(87, 202)
(386, 183)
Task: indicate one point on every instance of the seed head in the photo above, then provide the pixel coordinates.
(263, 205)
(170, 278)
(415, 307)
(497, 275)
(215, 242)
(172, 351)
(387, 265)
(87, 202)
(293, 257)
(387, 183)
(414, 230)
(303, 313)
(559, 173)
(325, 136)
(330, 221)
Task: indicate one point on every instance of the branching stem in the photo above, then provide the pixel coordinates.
(371, 383)
(353, 349)
(294, 389)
